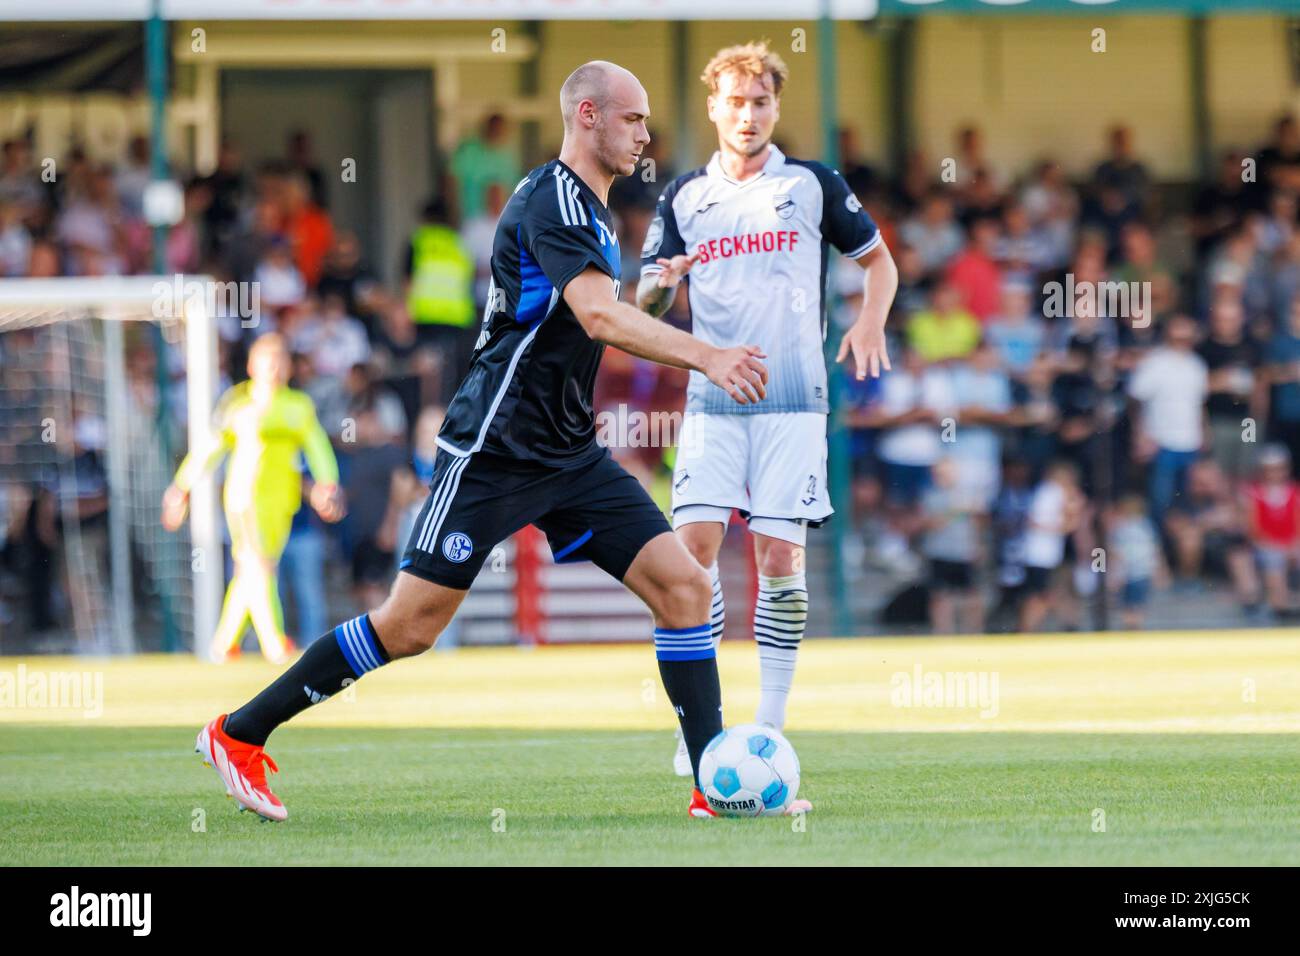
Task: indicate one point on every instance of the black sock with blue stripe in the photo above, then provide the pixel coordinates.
(688, 666)
(325, 668)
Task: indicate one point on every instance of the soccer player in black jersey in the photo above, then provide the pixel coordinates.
(519, 447)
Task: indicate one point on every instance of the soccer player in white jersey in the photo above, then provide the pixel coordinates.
(753, 228)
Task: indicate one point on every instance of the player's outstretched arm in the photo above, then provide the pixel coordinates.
(737, 371)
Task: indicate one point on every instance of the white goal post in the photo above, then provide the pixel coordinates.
(27, 303)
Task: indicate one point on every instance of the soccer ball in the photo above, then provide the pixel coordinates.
(749, 771)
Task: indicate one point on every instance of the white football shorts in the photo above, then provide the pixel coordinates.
(772, 467)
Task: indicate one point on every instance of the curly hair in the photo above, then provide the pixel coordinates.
(747, 59)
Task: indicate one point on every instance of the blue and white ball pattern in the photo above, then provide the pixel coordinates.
(749, 770)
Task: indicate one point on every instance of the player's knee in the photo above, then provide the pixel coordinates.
(404, 637)
(405, 627)
(778, 559)
(686, 598)
(701, 551)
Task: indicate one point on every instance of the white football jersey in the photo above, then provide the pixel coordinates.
(761, 276)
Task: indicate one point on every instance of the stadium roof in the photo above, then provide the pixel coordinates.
(72, 58)
(108, 10)
(895, 8)
(438, 9)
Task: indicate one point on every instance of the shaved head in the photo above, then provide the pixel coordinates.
(595, 81)
(605, 109)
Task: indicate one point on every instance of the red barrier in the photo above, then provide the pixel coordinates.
(530, 625)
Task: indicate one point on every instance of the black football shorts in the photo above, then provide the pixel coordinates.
(595, 512)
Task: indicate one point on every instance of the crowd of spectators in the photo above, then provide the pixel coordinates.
(379, 358)
(1046, 451)
(1030, 447)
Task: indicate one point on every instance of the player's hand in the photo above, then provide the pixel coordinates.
(739, 373)
(866, 343)
(327, 500)
(675, 269)
(175, 505)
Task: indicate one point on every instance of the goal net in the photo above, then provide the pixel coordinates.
(90, 433)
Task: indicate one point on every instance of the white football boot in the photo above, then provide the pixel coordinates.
(682, 759)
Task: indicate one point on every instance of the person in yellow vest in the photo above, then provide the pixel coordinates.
(262, 425)
(440, 294)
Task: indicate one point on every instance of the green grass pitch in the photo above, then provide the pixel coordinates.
(1095, 750)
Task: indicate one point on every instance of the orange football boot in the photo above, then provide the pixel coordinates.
(699, 806)
(242, 768)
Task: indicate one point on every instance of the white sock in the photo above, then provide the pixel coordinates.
(718, 614)
(779, 619)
